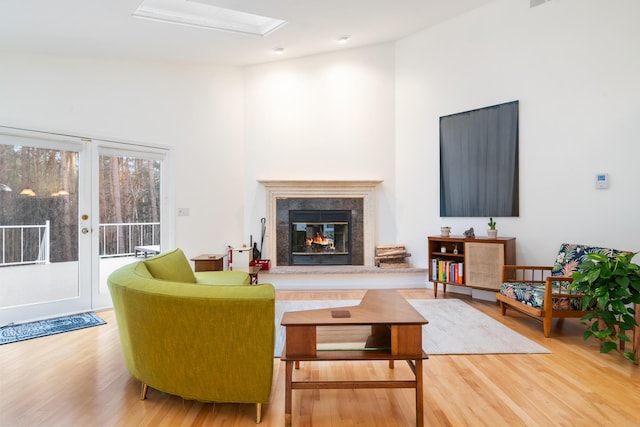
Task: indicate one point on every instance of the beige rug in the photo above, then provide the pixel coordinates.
(454, 328)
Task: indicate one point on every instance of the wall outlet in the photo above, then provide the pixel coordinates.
(183, 211)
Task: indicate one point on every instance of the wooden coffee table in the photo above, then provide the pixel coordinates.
(396, 334)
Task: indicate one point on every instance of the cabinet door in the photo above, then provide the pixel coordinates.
(483, 264)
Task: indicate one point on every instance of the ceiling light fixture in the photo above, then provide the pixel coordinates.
(343, 39)
(278, 50)
(199, 13)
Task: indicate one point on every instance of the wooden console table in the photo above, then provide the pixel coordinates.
(208, 262)
(396, 334)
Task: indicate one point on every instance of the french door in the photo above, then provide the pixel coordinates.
(130, 210)
(60, 235)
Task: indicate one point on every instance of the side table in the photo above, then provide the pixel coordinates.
(208, 262)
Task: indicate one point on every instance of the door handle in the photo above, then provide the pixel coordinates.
(85, 230)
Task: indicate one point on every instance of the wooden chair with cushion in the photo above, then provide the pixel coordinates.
(543, 292)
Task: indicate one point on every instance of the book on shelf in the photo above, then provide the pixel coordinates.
(443, 270)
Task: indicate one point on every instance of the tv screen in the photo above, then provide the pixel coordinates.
(479, 162)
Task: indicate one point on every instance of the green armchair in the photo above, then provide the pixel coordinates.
(206, 336)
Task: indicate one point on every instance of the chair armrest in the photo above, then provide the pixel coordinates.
(525, 273)
(562, 291)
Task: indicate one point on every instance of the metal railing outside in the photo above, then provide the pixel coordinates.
(120, 239)
(25, 244)
(30, 244)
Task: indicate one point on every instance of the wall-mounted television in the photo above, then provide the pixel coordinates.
(479, 162)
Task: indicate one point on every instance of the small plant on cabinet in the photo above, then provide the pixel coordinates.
(492, 224)
(492, 233)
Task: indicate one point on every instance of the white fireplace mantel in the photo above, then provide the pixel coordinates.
(282, 189)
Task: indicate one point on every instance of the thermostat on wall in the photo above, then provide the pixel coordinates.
(602, 180)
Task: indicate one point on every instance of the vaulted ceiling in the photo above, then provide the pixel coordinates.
(106, 29)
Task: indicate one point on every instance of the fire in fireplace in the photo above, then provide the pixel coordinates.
(320, 237)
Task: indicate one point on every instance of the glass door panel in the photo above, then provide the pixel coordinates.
(130, 210)
(40, 243)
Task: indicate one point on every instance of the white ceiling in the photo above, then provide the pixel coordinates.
(106, 29)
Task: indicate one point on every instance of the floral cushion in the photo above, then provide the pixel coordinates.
(571, 255)
(532, 294)
(567, 261)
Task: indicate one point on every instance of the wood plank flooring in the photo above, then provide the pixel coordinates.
(79, 379)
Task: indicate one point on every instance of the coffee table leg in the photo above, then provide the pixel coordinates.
(419, 395)
(287, 392)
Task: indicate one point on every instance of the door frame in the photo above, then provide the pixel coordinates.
(90, 296)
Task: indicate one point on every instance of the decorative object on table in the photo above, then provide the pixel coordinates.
(445, 231)
(492, 233)
(610, 283)
(470, 234)
(391, 256)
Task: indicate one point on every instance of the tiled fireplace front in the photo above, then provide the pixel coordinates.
(347, 210)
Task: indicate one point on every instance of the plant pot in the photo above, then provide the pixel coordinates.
(492, 234)
(445, 231)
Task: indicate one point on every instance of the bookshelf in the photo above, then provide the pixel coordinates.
(475, 263)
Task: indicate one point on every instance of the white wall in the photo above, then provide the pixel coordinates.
(574, 66)
(195, 109)
(325, 117)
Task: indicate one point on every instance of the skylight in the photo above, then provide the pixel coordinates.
(199, 13)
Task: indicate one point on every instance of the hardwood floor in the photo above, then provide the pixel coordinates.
(79, 379)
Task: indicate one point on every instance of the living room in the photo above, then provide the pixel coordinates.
(372, 113)
(571, 65)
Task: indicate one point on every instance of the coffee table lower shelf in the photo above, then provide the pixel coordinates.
(354, 355)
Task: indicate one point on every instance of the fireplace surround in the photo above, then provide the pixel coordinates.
(358, 197)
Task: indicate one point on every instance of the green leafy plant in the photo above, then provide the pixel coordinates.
(492, 224)
(612, 283)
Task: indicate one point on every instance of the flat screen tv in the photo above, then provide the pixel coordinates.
(479, 162)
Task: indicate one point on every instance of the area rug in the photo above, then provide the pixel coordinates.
(454, 328)
(41, 328)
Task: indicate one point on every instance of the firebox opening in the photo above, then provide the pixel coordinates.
(320, 237)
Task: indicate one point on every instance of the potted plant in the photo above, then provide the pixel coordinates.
(492, 232)
(444, 231)
(611, 285)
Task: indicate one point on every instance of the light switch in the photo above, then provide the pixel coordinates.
(183, 211)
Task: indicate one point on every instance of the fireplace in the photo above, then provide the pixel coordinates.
(358, 197)
(320, 237)
(319, 231)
